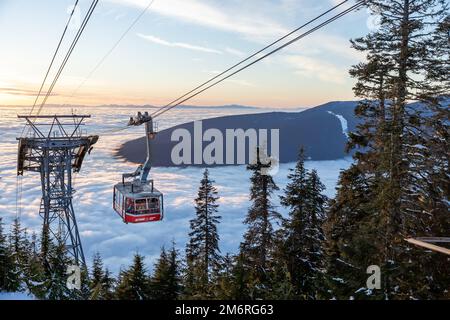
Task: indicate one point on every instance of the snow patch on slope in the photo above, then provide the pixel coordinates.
(343, 121)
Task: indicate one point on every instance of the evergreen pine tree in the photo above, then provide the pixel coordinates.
(165, 283)
(346, 247)
(19, 249)
(431, 157)
(302, 232)
(58, 261)
(107, 291)
(223, 279)
(35, 274)
(202, 251)
(281, 287)
(258, 245)
(242, 279)
(97, 278)
(7, 277)
(122, 284)
(380, 198)
(84, 292)
(134, 282)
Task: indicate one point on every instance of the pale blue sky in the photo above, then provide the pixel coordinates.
(176, 45)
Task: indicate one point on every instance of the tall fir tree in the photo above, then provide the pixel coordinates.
(35, 275)
(19, 254)
(280, 282)
(259, 243)
(7, 276)
(134, 282)
(302, 231)
(108, 287)
(166, 281)
(381, 196)
(241, 279)
(222, 287)
(347, 248)
(429, 150)
(58, 261)
(202, 251)
(97, 278)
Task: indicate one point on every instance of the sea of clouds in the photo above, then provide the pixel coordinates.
(100, 227)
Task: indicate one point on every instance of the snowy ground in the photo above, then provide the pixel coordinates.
(101, 229)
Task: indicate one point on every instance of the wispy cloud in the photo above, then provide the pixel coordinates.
(325, 43)
(177, 44)
(224, 17)
(251, 22)
(235, 52)
(315, 68)
(21, 92)
(213, 72)
(119, 16)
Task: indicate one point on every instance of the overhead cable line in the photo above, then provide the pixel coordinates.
(341, 14)
(53, 60)
(180, 100)
(252, 55)
(19, 182)
(112, 48)
(72, 46)
(54, 55)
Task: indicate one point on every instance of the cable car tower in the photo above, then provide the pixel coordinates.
(55, 147)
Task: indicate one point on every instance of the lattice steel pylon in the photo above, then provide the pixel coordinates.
(55, 147)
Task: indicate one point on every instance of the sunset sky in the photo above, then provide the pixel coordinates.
(176, 45)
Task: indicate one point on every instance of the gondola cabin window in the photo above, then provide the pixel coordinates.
(141, 206)
(129, 205)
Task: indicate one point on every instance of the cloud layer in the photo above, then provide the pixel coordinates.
(100, 227)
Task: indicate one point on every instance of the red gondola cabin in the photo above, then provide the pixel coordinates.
(138, 202)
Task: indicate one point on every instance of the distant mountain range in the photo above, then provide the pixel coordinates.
(321, 130)
(231, 106)
(145, 106)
